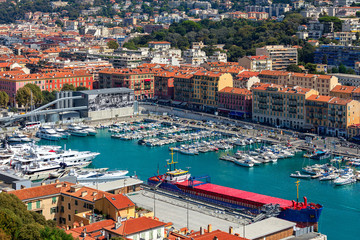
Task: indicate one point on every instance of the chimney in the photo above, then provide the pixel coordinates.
(231, 230)
(209, 228)
(201, 231)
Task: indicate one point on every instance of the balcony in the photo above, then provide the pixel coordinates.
(292, 104)
(262, 100)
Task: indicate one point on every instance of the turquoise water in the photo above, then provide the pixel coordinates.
(341, 209)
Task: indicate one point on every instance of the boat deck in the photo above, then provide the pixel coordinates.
(254, 198)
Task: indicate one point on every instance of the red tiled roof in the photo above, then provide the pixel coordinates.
(120, 201)
(217, 234)
(319, 98)
(41, 191)
(340, 101)
(240, 91)
(134, 225)
(343, 89)
(95, 226)
(260, 57)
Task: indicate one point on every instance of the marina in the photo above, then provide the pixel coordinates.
(339, 203)
(236, 161)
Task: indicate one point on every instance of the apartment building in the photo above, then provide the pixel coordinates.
(322, 83)
(278, 105)
(345, 38)
(194, 57)
(124, 60)
(341, 91)
(183, 86)
(160, 45)
(11, 81)
(206, 86)
(336, 55)
(218, 57)
(141, 80)
(256, 63)
(71, 205)
(331, 115)
(164, 84)
(348, 79)
(281, 56)
(235, 102)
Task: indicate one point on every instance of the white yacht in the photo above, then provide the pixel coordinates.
(48, 133)
(90, 176)
(90, 130)
(41, 160)
(77, 131)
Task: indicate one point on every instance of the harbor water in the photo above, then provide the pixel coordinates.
(341, 204)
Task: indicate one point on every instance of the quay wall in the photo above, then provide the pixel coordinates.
(111, 113)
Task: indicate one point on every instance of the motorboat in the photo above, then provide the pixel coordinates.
(345, 179)
(244, 163)
(328, 177)
(48, 133)
(75, 130)
(90, 131)
(297, 174)
(91, 176)
(62, 133)
(227, 158)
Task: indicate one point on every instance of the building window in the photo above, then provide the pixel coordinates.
(29, 206)
(62, 198)
(53, 200)
(69, 206)
(69, 217)
(62, 209)
(37, 204)
(53, 210)
(76, 202)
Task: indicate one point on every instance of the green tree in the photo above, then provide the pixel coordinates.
(36, 92)
(4, 99)
(23, 96)
(113, 44)
(324, 59)
(29, 232)
(334, 70)
(335, 20)
(342, 68)
(306, 53)
(17, 223)
(294, 68)
(311, 67)
(68, 87)
(350, 71)
(358, 14)
(81, 88)
(48, 96)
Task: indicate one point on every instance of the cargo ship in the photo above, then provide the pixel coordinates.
(181, 182)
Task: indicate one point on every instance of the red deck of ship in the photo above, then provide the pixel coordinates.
(255, 198)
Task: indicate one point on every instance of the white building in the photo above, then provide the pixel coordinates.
(218, 57)
(194, 57)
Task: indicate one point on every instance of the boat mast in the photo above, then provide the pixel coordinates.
(172, 160)
(297, 188)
